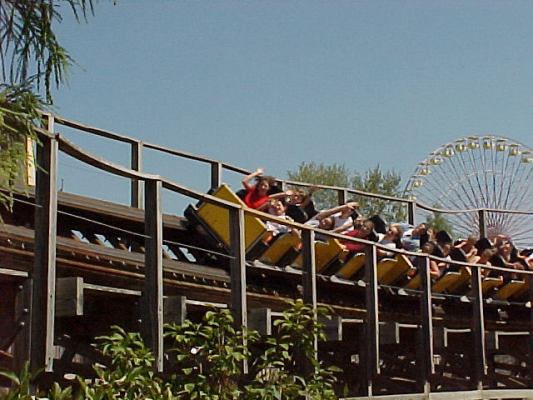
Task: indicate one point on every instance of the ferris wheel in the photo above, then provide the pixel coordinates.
(479, 172)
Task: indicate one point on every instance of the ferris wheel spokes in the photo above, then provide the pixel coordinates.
(486, 172)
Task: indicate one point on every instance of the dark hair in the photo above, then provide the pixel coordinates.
(265, 178)
(430, 243)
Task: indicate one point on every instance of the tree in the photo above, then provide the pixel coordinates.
(32, 61)
(322, 174)
(373, 181)
(386, 183)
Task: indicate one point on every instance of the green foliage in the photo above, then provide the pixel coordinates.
(207, 360)
(130, 376)
(30, 50)
(23, 387)
(373, 181)
(278, 373)
(208, 357)
(18, 116)
(21, 384)
(322, 174)
(387, 183)
(31, 58)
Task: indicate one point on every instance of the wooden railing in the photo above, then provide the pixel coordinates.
(44, 273)
(217, 169)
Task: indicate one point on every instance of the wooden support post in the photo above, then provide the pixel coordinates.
(530, 337)
(309, 268)
(260, 320)
(136, 185)
(153, 281)
(238, 267)
(309, 293)
(238, 271)
(388, 333)
(342, 195)
(332, 328)
(174, 310)
(478, 331)
(44, 267)
(309, 274)
(22, 319)
(69, 297)
(411, 211)
(372, 318)
(216, 175)
(425, 356)
(482, 223)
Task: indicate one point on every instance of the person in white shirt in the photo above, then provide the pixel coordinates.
(337, 219)
(278, 208)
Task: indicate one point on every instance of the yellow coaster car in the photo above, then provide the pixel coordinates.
(215, 220)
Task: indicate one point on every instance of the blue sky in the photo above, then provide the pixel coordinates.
(275, 83)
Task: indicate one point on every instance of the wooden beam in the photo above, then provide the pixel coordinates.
(478, 331)
(238, 267)
(175, 309)
(13, 273)
(372, 318)
(309, 268)
(92, 288)
(260, 320)
(216, 175)
(239, 305)
(309, 281)
(425, 356)
(153, 283)
(530, 336)
(333, 328)
(458, 394)
(411, 212)
(136, 164)
(482, 223)
(21, 353)
(69, 297)
(44, 269)
(342, 196)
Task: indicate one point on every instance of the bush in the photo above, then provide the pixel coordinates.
(207, 361)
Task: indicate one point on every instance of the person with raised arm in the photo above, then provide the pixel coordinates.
(468, 245)
(300, 206)
(337, 219)
(257, 196)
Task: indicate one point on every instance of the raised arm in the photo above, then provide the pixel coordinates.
(307, 200)
(246, 180)
(281, 195)
(343, 228)
(352, 205)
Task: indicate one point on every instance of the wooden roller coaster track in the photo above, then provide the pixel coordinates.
(71, 266)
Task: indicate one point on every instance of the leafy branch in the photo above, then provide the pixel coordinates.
(205, 360)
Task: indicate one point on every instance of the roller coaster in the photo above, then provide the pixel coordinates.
(71, 266)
